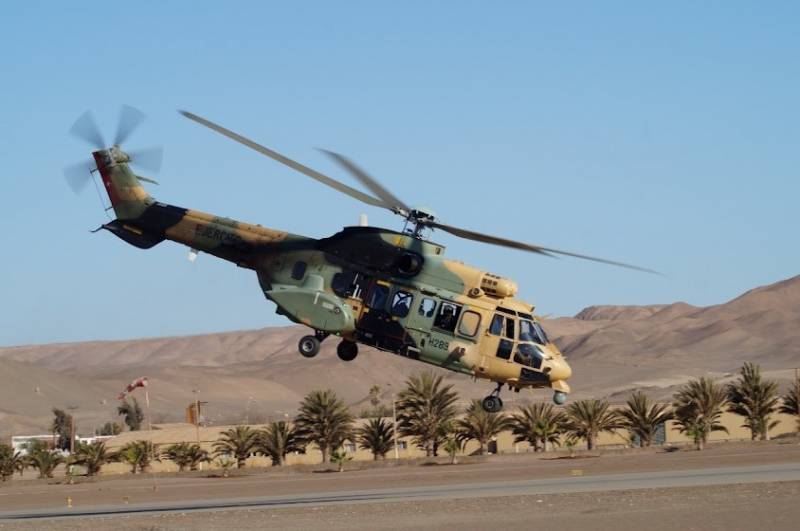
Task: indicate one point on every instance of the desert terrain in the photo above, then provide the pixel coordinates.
(259, 374)
(728, 486)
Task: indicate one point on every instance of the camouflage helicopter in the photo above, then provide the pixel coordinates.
(392, 290)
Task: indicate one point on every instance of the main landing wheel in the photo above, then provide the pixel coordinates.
(492, 404)
(560, 397)
(308, 346)
(347, 350)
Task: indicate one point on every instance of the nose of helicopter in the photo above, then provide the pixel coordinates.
(560, 370)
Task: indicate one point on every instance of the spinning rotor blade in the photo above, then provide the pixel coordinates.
(374, 186)
(129, 119)
(317, 176)
(78, 175)
(86, 129)
(149, 159)
(503, 242)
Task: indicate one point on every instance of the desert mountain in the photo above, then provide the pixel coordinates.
(259, 374)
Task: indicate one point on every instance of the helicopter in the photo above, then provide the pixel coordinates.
(391, 290)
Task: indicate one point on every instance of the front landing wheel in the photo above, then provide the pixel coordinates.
(347, 350)
(308, 346)
(492, 404)
(560, 398)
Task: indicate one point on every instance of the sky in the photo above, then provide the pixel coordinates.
(661, 134)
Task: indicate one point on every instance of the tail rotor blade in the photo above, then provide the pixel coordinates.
(149, 158)
(86, 129)
(130, 119)
(78, 175)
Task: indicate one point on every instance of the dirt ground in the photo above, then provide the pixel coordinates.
(771, 505)
(730, 507)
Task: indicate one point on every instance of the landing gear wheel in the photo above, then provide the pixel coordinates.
(492, 404)
(308, 346)
(347, 350)
(560, 397)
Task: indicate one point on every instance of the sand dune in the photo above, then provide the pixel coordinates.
(259, 373)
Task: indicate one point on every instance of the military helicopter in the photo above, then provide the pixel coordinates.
(392, 290)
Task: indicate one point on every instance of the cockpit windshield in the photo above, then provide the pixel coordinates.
(532, 331)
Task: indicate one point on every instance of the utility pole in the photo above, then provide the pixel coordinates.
(197, 419)
(72, 429)
(394, 420)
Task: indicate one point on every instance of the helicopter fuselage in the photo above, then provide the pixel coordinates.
(377, 287)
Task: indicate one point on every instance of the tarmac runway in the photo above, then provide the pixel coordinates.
(696, 477)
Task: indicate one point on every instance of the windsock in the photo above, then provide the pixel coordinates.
(139, 382)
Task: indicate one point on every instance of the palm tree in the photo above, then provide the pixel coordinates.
(278, 439)
(791, 401)
(132, 414)
(238, 442)
(377, 436)
(755, 399)
(43, 458)
(698, 407)
(180, 454)
(642, 418)
(538, 424)
(138, 454)
(586, 419)
(325, 421)
(425, 409)
(196, 456)
(62, 426)
(452, 446)
(92, 456)
(480, 425)
(10, 461)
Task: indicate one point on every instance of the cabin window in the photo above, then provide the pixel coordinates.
(469, 323)
(401, 303)
(448, 316)
(427, 307)
(504, 349)
(529, 355)
(299, 270)
(496, 328)
(378, 297)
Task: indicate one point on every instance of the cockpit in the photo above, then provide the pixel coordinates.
(519, 336)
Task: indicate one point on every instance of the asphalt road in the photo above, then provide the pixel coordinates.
(781, 472)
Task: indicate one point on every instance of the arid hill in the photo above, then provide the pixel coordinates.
(259, 374)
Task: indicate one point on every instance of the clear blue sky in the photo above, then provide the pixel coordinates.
(661, 134)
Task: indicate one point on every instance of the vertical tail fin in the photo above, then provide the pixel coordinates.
(126, 193)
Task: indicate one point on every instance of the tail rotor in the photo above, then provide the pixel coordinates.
(85, 128)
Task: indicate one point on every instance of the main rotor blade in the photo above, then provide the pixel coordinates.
(504, 242)
(374, 186)
(149, 158)
(317, 176)
(129, 119)
(78, 175)
(86, 129)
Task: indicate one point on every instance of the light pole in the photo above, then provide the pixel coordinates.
(72, 429)
(394, 422)
(247, 410)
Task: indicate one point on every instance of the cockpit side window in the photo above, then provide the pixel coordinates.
(496, 328)
(510, 328)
